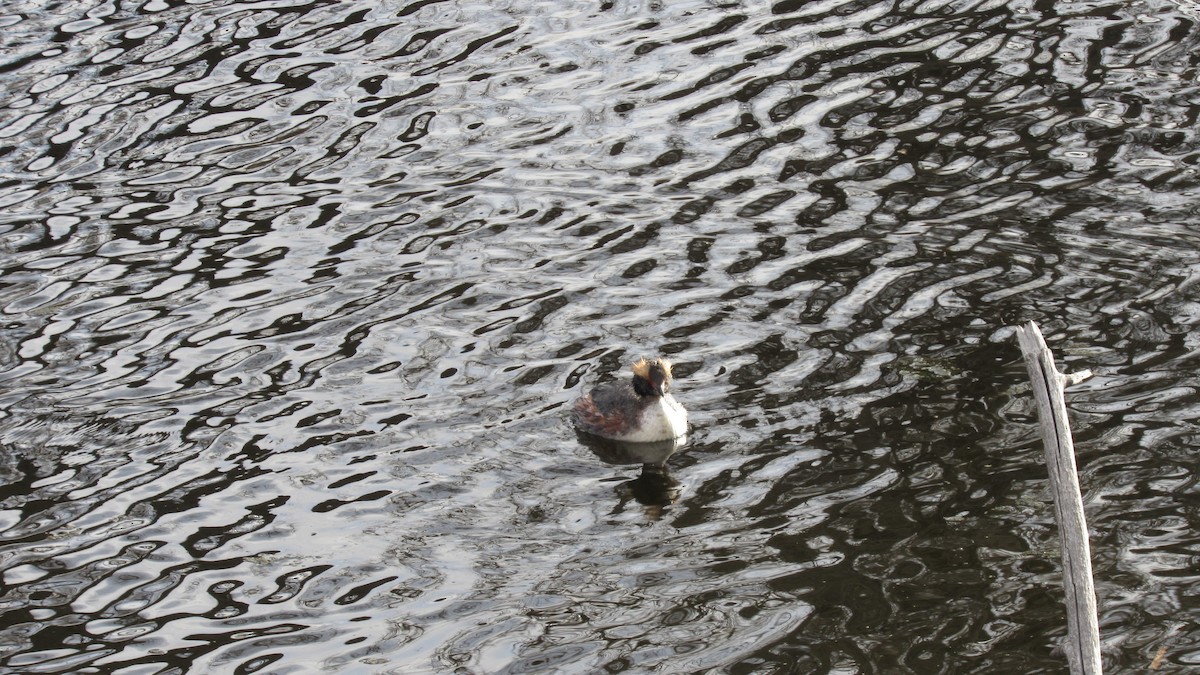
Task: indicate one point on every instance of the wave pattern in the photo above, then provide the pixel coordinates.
(293, 294)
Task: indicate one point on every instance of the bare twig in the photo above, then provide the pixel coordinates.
(1083, 633)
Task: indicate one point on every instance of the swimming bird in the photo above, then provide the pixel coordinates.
(640, 410)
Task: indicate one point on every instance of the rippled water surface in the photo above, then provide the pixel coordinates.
(295, 295)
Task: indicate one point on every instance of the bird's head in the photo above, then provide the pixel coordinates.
(652, 377)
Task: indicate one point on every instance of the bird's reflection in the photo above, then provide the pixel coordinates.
(654, 487)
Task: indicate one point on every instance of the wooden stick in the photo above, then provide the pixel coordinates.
(1083, 632)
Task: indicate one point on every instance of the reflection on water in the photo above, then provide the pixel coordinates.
(294, 295)
(654, 486)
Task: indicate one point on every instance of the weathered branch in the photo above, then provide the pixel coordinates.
(1083, 633)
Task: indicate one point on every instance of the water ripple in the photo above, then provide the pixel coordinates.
(294, 293)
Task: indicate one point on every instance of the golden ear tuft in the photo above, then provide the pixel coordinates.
(642, 368)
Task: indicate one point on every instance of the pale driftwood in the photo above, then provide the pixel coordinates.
(1083, 633)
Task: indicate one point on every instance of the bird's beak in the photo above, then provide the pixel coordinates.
(658, 381)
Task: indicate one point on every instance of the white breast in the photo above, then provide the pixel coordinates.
(660, 422)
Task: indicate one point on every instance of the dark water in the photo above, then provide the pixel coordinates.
(294, 296)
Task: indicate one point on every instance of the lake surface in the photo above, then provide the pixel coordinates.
(295, 296)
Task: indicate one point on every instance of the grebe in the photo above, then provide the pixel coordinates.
(638, 411)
